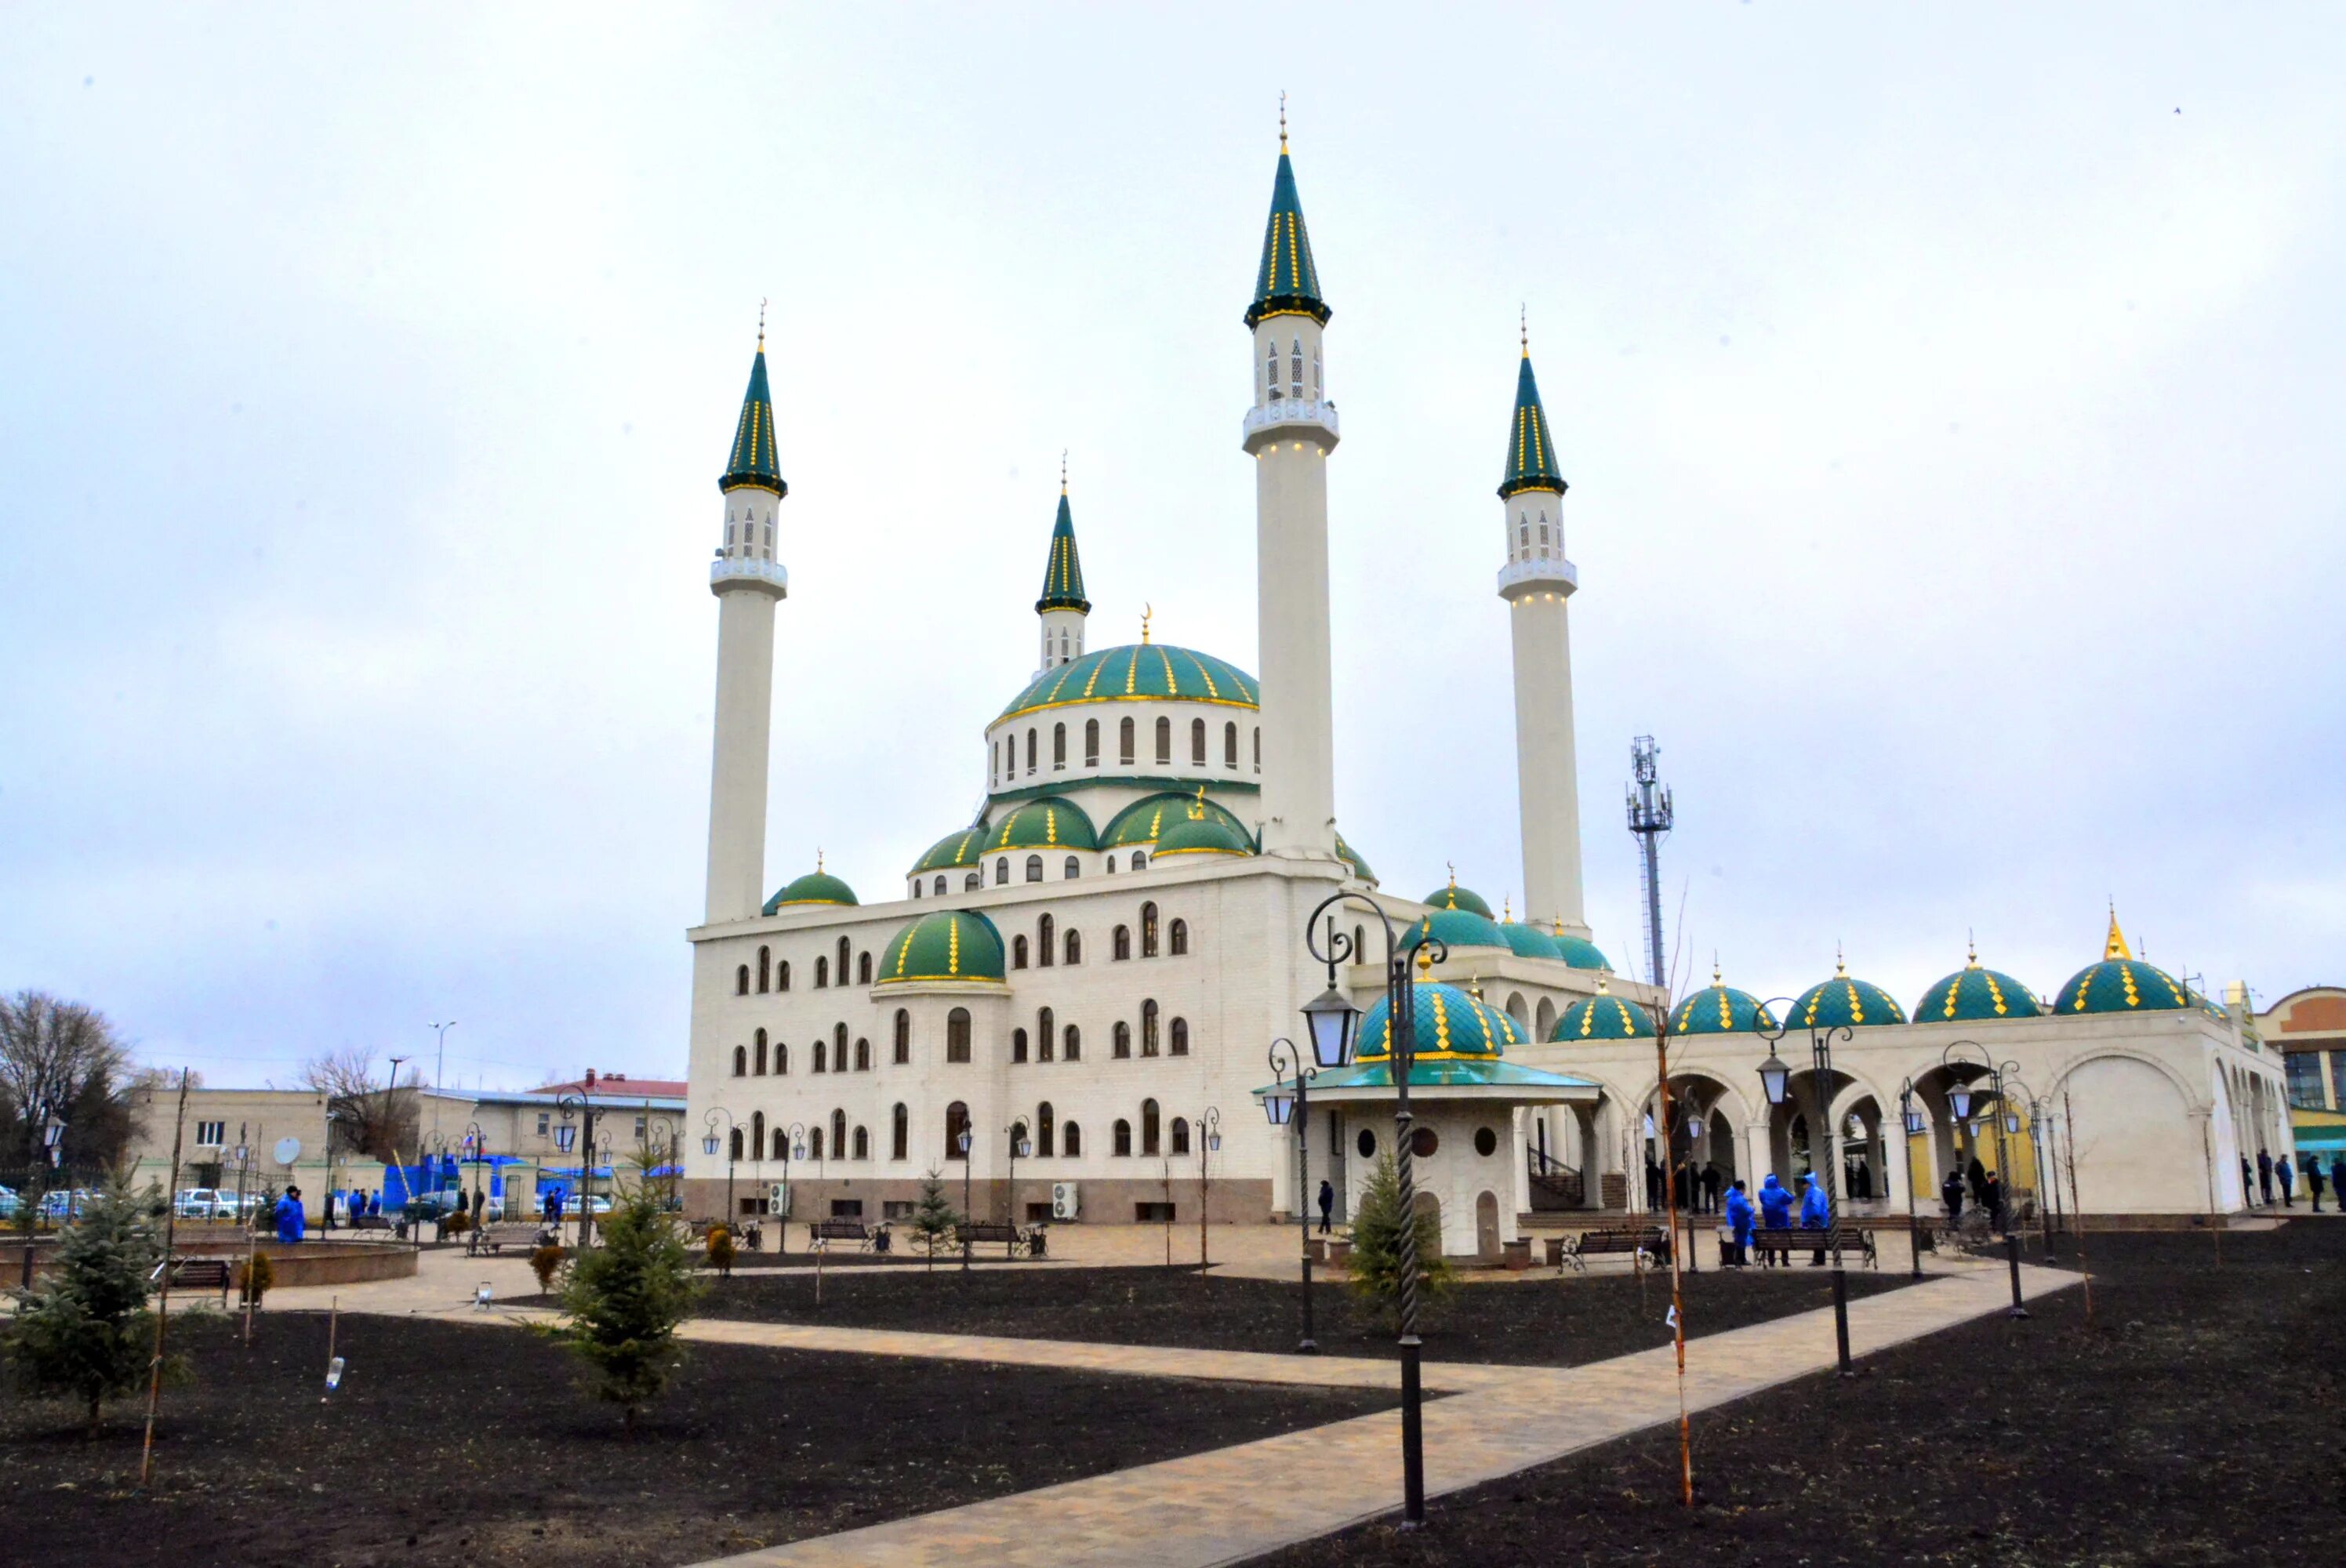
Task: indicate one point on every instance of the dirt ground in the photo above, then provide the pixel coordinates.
(453, 1443)
(1540, 1322)
(2197, 1420)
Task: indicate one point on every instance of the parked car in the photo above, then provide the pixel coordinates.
(206, 1202)
(56, 1207)
(9, 1203)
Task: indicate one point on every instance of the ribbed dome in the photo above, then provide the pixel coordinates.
(963, 847)
(1203, 832)
(1352, 858)
(951, 945)
(1602, 1017)
(1582, 953)
(1449, 1022)
(1455, 897)
(1045, 822)
(1137, 672)
(1841, 1002)
(1721, 1009)
(1454, 928)
(2121, 982)
(1972, 993)
(817, 887)
(1145, 820)
(1530, 942)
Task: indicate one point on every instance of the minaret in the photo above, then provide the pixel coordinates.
(1289, 432)
(747, 580)
(1537, 582)
(1063, 606)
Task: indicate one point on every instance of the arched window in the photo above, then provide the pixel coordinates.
(782, 1139)
(1018, 951)
(765, 959)
(1045, 1131)
(1270, 371)
(1071, 1043)
(916, 887)
(815, 1144)
(969, 884)
(1180, 1033)
(1360, 947)
(1034, 752)
(900, 1132)
(863, 968)
(862, 1142)
(903, 1043)
(821, 973)
(957, 1034)
(1197, 743)
(1148, 1027)
(740, 1060)
(758, 1137)
(1120, 943)
(1122, 1141)
(842, 971)
(1295, 371)
(956, 1124)
(1139, 860)
(822, 1057)
(1047, 949)
(1091, 742)
(1075, 947)
(1018, 1044)
(758, 1054)
(1315, 381)
(781, 1057)
(1046, 1037)
(741, 980)
(1002, 872)
(1148, 931)
(839, 1135)
(863, 1054)
(839, 1049)
(1058, 747)
(1124, 741)
(1181, 1131)
(938, 887)
(1258, 747)
(733, 1147)
(1229, 746)
(1178, 938)
(1121, 1046)
(1163, 741)
(1071, 870)
(1148, 1138)
(1034, 868)
(782, 971)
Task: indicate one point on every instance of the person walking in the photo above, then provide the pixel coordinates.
(2247, 1182)
(2313, 1181)
(1950, 1193)
(1976, 1174)
(2285, 1173)
(1327, 1205)
(1993, 1201)
(2264, 1177)
(1816, 1212)
(1775, 1214)
(287, 1214)
(1739, 1226)
(1653, 1182)
(2337, 1180)
(480, 1200)
(1711, 1186)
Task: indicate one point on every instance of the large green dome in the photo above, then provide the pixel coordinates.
(1145, 820)
(951, 945)
(2121, 985)
(1721, 1009)
(1972, 994)
(1138, 672)
(1202, 832)
(1455, 929)
(1582, 953)
(1352, 856)
(1455, 897)
(1841, 1002)
(1530, 942)
(1602, 1017)
(963, 847)
(1045, 822)
(817, 887)
(1449, 1022)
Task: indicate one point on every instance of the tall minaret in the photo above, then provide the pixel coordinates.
(1063, 606)
(747, 580)
(1535, 583)
(1289, 432)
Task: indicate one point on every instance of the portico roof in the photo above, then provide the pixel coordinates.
(1453, 1078)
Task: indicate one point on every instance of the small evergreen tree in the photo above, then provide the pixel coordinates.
(1376, 1245)
(721, 1250)
(546, 1262)
(255, 1281)
(86, 1332)
(625, 1298)
(933, 1219)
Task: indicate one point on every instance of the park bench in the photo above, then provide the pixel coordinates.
(1770, 1241)
(495, 1238)
(853, 1230)
(1011, 1236)
(1648, 1241)
(202, 1273)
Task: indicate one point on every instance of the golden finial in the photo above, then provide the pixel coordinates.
(1507, 909)
(1714, 977)
(762, 326)
(1063, 471)
(1971, 949)
(1841, 969)
(1474, 987)
(818, 860)
(1197, 810)
(1555, 925)
(1424, 958)
(1454, 871)
(1146, 612)
(1283, 121)
(1603, 989)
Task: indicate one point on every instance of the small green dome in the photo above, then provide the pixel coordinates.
(2121, 985)
(1972, 993)
(1582, 953)
(1145, 820)
(1602, 1017)
(1841, 1002)
(1449, 1022)
(1455, 929)
(817, 887)
(1045, 822)
(1720, 1009)
(1529, 941)
(1152, 672)
(1455, 897)
(1200, 832)
(1352, 856)
(963, 847)
(951, 945)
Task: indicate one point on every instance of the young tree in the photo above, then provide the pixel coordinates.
(625, 1298)
(375, 1121)
(86, 1332)
(721, 1250)
(63, 1059)
(934, 1219)
(1376, 1245)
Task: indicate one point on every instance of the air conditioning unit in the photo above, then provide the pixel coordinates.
(1063, 1200)
(779, 1195)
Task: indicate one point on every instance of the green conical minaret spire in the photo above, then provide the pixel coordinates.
(1063, 573)
(1531, 450)
(753, 465)
(1286, 283)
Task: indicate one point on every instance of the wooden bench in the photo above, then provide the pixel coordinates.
(853, 1230)
(1650, 1241)
(495, 1238)
(1011, 1237)
(1769, 1241)
(203, 1274)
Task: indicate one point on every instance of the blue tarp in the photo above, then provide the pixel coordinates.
(600, 1172)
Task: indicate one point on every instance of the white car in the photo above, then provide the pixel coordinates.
(206, 1202)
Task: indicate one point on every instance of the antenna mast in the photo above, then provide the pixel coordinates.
(1649, 820)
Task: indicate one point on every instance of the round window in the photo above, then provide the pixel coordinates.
(1368, 1145)
(1423, 1142)
(1487, 1142)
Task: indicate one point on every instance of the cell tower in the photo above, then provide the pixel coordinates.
(1649, 818)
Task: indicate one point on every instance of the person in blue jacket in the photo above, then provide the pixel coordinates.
(1738, 1226)
(289, 1216)
(1775, 1210)
(1816, 1212)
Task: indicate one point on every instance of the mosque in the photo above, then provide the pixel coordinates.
(1067, 1006)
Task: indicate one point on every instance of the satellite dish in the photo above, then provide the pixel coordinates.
(288, 1150)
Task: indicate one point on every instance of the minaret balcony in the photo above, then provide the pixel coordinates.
(1269, 421)
(1527, 579)
(747, 572)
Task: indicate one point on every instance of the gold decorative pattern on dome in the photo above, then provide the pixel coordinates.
(953, 944)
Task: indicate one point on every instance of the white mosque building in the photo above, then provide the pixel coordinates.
(1092, 970)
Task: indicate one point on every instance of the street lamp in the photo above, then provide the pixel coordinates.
(1334, 1023)
(1210, 1143)
(1776, 1079)
(794, 1143)
(571, 1104)
(1911, 1120)
(709, 1144)
(1286, 1107)
(440, 1066)
(659, 1135)
(1962, 1101)
(961, 1143)
(1017, 1133)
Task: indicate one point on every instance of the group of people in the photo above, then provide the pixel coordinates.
(2283, 1171)
(1985, 1187)
(357, 1204)
(1695, 1188)
(1774, 1212)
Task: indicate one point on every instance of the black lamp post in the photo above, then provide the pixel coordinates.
(794, 1147)
(708, 1146)
(1332, 1012)
(1911, 1120)
(53, 1132)
(571, 1104)
(1287, 1106)
(961, 1143)
(1016, 1135)
(1963, 1102)
(1210, 1143)
(1776, 1079)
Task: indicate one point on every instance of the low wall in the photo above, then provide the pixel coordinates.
(301, 1263)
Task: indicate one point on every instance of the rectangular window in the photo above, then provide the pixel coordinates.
(639, 1127)
(211, 1135)
(2305, 1079)
(545, 1120)
(1153, 1212)
(2337, 1079)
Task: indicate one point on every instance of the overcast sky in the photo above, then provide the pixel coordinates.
(1950, 398)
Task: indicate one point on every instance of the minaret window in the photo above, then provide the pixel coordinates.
(1316, 393)
(1124, 742)
(1295, 369)
(842, 960)
(765, 961)
(1271, 373)
(1091, 742)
